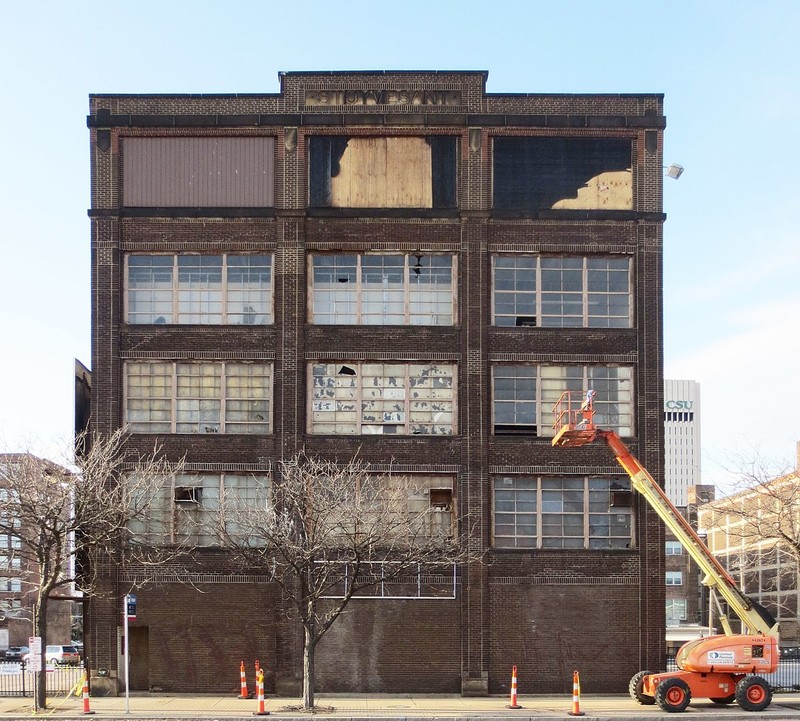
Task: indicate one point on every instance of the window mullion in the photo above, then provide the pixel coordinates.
(406, 400)
(223, 391)
(539, 517)
(224, 290)
(359, 399)
(174, 398)
(175, 290)
(586, 512)
(359, 305)
(406, 291)
(585, 291)
(537, 272)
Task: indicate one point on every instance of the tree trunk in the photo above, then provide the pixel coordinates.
(40, 625)
(309, 649)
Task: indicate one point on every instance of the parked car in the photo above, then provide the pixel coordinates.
(15, 653)
(59, 656)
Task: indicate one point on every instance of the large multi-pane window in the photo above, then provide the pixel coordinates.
(383, 398)
(673, 578)
(199, 289)
(196, 397)
(523, 396)
(405, 289)
(562, 291)
(560, 512)
(187, 507)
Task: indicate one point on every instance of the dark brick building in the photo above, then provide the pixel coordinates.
(400, 264)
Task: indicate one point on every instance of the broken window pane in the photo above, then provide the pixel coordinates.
(383, 398)
(382, 289)
(556, 291)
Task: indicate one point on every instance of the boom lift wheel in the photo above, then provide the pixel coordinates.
(753, 693)
(673, 695)
(635, 689)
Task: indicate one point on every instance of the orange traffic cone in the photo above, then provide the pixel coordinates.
(260, 691)
(576, 695)
(86, 695)
(243, 682)
(513, 701)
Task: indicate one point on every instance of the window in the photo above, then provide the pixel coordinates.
(676, 610)
(198, 172)
(674, 578)
(382, 289)
(14, 563)
(168, 397)
(383, 398)
(13, 585)
(540, 173)
(561, 292)
(673, 548)
(396, 172)
(559, 512)
(515, 512)
(199, 289)
(523, 396)
(430, 504)
(7, 541)
(187, 506)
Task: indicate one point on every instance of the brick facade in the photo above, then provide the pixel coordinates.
(548, 611)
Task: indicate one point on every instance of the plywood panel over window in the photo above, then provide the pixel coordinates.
(539, 173)
(198, 172)
(396, 172)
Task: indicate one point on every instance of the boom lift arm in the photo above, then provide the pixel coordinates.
(575, 427)
(720, 668)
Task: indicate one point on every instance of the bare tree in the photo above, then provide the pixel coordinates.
(761, 525)
(332, 532)
(57, 518)
(765, 506)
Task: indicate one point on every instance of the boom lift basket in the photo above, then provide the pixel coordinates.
(574, 419)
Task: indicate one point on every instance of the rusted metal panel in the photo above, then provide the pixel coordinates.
(198, 172)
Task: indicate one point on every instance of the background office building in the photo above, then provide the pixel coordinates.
(681, 439)
(685, 598)
(402, 265)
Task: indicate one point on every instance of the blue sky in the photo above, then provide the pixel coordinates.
(728, 71)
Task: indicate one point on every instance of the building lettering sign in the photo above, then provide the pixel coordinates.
(679, 405)
(382, 96)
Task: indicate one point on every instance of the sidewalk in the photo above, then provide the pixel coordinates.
(372, 706)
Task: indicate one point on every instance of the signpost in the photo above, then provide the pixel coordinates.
(35, 665)
(128, 614)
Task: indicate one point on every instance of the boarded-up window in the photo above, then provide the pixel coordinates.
(198, 172)
(532, 174)
(382, 172)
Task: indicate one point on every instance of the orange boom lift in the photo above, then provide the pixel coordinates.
(722, 668)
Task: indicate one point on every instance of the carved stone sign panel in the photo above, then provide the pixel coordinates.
(383, 96)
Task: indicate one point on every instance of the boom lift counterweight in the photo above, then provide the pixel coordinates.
(717, 667)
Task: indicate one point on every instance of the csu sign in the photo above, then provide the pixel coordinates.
(678, 405)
